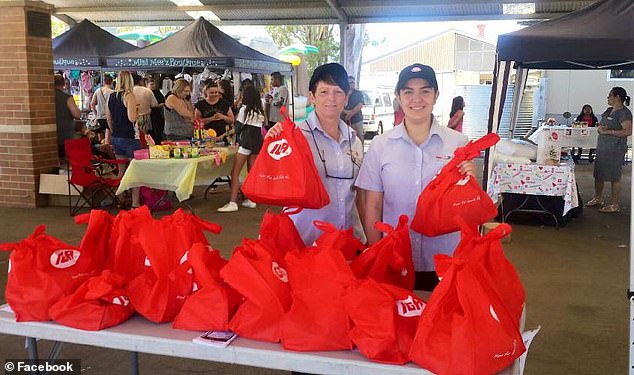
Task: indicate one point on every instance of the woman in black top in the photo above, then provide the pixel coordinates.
(214, 112)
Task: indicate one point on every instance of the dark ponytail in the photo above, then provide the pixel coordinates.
(621, 93)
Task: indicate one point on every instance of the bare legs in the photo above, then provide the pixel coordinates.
(598, 189)
(136, 202)
(235, 172)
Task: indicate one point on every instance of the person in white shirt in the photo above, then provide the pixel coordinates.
(99, 103)
(145, 100)
(251, 116)
(276, 99)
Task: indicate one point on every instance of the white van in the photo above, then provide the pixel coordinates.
(378, 113)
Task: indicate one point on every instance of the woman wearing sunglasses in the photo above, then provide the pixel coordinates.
(337, 153)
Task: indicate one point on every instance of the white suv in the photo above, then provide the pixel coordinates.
(378, 113)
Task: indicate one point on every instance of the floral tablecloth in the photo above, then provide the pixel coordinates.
(535, 179)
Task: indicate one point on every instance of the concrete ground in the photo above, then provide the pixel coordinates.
(576, 279)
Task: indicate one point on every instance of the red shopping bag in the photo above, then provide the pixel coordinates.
(212, 303)
(450, 195)
(487, 250)
(466, 328)
(317, 319)
(390, 259)
(160, 291)
(99, 303)
(279, 231)
(385, 319)
(126, 256)
(261, 279)
(284, 174)
(184, 229)
(342, 240)
(43, 269)
(97, 236)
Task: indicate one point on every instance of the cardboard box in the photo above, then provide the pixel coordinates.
(487, 227)
(55, 184)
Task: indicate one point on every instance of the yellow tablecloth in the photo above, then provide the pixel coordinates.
(177, 175)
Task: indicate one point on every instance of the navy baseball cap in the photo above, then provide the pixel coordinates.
(425, 72)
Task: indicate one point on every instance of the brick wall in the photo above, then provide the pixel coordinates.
(28, 140)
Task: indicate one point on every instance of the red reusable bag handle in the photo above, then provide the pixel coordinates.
(324, 226)
(291, 210)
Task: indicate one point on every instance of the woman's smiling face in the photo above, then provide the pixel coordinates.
(329, 99)
(417, 99)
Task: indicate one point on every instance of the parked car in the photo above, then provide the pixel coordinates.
(378, 113)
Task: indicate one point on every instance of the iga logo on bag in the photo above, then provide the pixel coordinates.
(463, 181)
(410, 307)
(64, 258)
(279, 149)
(121, 300)
(279, 272)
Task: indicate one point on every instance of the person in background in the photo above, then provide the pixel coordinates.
(66, 112)
(614, 128)
(251, 116)
(122, 133)
(401, 162)
(276, 99)
(213, 112)
(588, 116)
(179, 112)
(398, 113)
(156, 114)
(145, 101)
(352, 115)
(238, 104)
(99, 103)
(337, 153)
(456, 116)
(226, 89)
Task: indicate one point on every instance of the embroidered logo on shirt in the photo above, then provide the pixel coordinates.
(64, 258)
(279, 149)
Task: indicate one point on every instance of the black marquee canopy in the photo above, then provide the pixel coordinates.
(198, 45)
(86, 45)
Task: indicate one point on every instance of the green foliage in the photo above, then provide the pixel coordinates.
(324, 37)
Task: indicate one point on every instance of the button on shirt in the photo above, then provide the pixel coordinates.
(400, 169)
(341, 211)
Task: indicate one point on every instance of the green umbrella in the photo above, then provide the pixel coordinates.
(299, 48)
(148, 37)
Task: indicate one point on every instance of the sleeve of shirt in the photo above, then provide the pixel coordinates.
(241, 115)
(369, 177)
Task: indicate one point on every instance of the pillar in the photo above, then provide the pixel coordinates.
(28, 140)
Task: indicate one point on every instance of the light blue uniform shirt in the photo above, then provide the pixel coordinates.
(400, 169)
(336, 154)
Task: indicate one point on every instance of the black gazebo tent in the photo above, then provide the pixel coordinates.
(198, 45)
(600, 36)
(85, 46)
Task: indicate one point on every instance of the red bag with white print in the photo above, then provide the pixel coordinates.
(317, 319)
(99, 303)
(487, 251)
(43, 269)
(450, 195)
(279, 231)
(390, 259)
(261, 278)
(385, 319)
(466, 328)
(212, 303)
(342, 240)
(284, 173)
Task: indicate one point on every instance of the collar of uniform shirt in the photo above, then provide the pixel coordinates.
(312, 123)
(399, 132)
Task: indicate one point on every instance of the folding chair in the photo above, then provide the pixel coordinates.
(85, 172)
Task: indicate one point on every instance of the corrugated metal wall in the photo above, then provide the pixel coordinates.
(477, 100)
(438, 53)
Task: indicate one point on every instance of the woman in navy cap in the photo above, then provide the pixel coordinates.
(401, 162)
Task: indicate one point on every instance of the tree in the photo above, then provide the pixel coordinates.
(324, 37)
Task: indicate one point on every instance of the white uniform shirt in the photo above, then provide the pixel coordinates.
(400, 169)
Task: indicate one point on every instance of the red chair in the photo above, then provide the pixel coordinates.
(86, 176)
